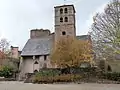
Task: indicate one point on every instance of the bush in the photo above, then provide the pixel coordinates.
(48, 73)
(46, 76)
(63, 78)
(112, 76)
(6, 71)
(57, 78)
(78, 70)
(55, 75)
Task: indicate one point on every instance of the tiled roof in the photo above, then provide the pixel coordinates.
(83, 37)
(40, 46)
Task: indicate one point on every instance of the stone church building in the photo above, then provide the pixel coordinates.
(35, 54)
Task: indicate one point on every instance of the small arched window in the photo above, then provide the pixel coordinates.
(109, 68)
(63, 33)
(35, 71)
(45, 57)
(61, 19)
(66, 10)
(61, 11)
(36, 62)
(66, 19)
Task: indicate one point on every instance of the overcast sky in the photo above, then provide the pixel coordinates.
(18, 17)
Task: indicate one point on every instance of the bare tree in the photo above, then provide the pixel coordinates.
(105, 32)
(4, 45)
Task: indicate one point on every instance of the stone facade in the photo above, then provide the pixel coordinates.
(15, 53)
(64, 22)
(38, 33)
(34, 64)
(36, 52)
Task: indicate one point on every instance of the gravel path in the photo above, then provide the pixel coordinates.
(22, 86)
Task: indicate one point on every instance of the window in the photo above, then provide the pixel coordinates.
(63, 33)
(61, 19)
(109, 68)
(61, 11)
(45, 57)
(66, 19)
(44, 65)
(36, 62)
(66, 10)
(35, 71)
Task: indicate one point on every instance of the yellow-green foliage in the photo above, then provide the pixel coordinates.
(57, 78)
(71, 52)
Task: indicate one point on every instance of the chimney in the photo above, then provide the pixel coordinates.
(14, 52)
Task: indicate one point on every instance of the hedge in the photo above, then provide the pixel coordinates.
(63, 75)
(58, 78)
(6, 71)
(48, 73)
(112, 76)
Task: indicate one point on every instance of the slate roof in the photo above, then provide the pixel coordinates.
(42, 46)
(83, 37)
(39, 46)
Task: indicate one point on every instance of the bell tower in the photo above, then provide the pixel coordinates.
(65, 22)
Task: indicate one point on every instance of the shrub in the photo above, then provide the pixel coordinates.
(48, 73)
(112, 76)
(77, 77)
(46, 76)
(57, 78)
(62, 78)
(6, 71)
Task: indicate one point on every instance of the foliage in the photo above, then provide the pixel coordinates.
(6, 71)
(71, 52)
(87, 69)
(47, 73)
(78, 70)
(80, 74)
(57, 78)
(106, 32)
(112, 76)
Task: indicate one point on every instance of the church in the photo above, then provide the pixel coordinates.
(36, 52)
